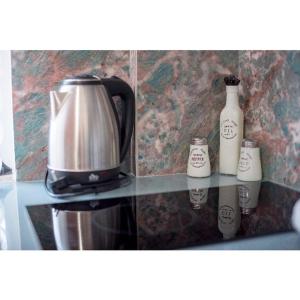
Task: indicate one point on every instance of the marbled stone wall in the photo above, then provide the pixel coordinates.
(34, 74)
(270, 94)
(180, 96)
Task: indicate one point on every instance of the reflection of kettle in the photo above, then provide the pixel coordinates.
(91, 225)
(248, 196)
(229, 216)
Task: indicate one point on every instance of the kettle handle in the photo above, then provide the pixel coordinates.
(118, 87)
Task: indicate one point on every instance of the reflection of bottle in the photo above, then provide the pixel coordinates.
(198, 183)
(248, 196)
(231, 128)
(198, 197)
(229, 216)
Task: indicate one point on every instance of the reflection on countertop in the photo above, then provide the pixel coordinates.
(172, 220)
(158, 219)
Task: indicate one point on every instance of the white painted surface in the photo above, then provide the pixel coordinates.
(7, 152)
(10, 238)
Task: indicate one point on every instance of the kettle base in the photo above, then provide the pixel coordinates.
(65, 184)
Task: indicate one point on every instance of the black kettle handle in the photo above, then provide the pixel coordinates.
(118, 87)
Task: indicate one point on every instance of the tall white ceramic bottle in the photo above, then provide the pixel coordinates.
(231, 128)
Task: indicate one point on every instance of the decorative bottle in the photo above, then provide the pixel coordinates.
(231, 128)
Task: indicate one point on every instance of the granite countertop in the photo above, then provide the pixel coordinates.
(18, 232)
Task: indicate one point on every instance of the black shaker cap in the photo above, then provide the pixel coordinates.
(231, 80)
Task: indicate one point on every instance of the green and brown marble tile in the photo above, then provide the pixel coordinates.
(34, 73)
(270, 93)
(180, 96)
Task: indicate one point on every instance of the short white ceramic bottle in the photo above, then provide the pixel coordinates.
(249, 168)
(231, 128)
(198, 162)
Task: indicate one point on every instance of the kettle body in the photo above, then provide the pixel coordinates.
(87, 142)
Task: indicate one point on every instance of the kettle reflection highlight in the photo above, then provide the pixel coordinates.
(229, 215)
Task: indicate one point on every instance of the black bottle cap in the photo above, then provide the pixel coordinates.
(231, 80)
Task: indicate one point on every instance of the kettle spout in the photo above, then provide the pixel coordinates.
(56, 100)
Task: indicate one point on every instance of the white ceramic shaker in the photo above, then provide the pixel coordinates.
(198, 163)
(249, 168)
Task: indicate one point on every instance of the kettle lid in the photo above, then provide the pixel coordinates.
(82, 79)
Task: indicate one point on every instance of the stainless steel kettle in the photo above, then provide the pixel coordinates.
(87, 142)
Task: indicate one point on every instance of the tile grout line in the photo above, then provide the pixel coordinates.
(133, 78)
(136, 119)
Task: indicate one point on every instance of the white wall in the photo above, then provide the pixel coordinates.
(6, 112)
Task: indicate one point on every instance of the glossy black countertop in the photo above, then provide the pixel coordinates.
(167, 220)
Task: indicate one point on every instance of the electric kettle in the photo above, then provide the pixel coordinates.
(87, 141)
